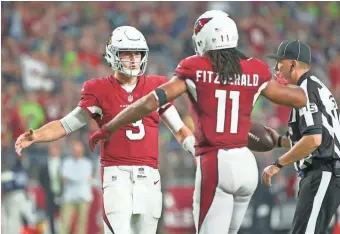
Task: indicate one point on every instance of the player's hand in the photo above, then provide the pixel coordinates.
(281, 80)
(24, 140)
(274, 134)
(189, 144)
(99, 135)
(268, 173)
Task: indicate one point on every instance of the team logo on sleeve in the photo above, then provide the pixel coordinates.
(200, 24)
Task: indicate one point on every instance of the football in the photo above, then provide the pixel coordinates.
(259, 139)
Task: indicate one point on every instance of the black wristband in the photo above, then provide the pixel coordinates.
(277, 164)
(161, 96)
(279, 141)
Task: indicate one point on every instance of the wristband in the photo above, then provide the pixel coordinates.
(277, 164)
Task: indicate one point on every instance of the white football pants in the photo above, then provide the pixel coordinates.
(132, 199)
(225, 182)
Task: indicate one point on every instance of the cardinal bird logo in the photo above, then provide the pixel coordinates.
(200, 24)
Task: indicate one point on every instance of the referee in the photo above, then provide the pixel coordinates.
(313, 139)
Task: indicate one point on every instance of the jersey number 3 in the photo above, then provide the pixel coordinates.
(221, 96)
(136, 135)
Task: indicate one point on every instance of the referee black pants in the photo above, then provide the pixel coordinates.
(318, 200)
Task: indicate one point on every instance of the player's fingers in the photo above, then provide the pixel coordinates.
(269, 130)
(269, 180)
(19, 139)
(30, 131)
(18, 151)
(17, 147)
(17, 143)
(263, 177)
(266, 178)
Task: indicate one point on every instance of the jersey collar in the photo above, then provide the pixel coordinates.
(137, 89)
(303, 77)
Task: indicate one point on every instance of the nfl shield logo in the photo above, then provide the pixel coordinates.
(130, 98)
(141, 170)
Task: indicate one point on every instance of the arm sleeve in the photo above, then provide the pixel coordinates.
(89, 100)
(166, 106)
(75, 120)
(172, 117)
(184, 70)
(310, 121)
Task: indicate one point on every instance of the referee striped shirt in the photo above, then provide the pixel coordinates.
(319, 116)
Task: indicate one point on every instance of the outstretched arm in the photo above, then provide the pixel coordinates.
(54, 130)
(149, 103)
(289, 95)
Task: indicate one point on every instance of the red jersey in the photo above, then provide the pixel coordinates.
(134, 144)
(222, 112)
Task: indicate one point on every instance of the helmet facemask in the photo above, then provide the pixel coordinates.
(113, 58)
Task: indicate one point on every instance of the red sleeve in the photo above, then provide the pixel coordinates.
(184, 70)
(163, 108)
(89, 100)
(262, 69)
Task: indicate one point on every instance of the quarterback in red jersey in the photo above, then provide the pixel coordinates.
(223, 86)
(131, 181)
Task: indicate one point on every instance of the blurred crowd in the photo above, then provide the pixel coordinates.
(50, 48)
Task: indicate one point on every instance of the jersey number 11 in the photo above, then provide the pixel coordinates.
(221, 96)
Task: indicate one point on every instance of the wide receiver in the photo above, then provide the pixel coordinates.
(131, 182)
(223, 86)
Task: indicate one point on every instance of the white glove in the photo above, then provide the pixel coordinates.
(189, 144)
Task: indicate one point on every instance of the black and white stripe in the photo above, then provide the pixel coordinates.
(319, 116)
(317, 202)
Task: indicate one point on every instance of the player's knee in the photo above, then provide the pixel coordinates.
(118, 207)
(119, 222)
(149, 220)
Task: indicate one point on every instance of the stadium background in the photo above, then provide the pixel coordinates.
(50, 48)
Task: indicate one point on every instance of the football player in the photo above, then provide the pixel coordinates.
(131, 182)
(223, 86)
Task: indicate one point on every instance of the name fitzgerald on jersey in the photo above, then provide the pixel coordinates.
(242, 80)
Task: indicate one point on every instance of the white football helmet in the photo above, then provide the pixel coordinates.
(214, 30)
(126, 38)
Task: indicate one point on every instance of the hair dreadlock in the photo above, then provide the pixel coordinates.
(226, 63)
